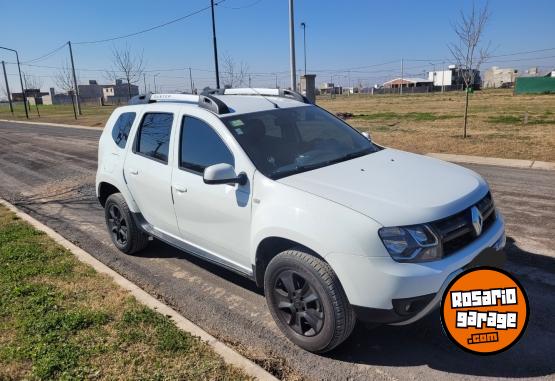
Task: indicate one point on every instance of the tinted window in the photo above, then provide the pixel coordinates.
(282, 142)
(154, 136)
(201, 146)
(121, 129)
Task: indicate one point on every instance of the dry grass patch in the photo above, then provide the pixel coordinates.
(433, 122)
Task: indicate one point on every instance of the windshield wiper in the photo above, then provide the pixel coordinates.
(350, 156)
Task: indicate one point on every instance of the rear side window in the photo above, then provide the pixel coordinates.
(120, 131)
(201, 146)
(154, 136)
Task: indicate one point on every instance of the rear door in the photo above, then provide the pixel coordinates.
(216, 218)
(148, 168)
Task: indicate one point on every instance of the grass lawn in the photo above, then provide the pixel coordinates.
(59, 319)
(500, 123)
(434, 122)
(93, 116)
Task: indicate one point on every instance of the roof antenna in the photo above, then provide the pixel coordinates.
(253, 89)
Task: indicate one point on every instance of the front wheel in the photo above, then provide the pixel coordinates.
(307, 301)
(125, 234)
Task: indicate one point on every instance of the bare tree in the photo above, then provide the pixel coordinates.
(468, 51)
(64, 79)
(233, 73)
(126, 65)
(31, 81)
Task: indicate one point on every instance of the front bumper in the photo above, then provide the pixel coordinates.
(384, 291)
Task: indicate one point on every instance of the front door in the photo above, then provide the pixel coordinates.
(215, 218)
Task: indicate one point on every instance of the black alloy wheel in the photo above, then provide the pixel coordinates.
(117, 225)
(299, 304)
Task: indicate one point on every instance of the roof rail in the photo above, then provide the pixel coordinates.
(213, 104)
(282, 93)
(151, 98)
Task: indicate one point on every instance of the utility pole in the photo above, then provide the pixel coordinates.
(7, 86)
(402, 73)
(303, 25)
(215, 46)
(292, 46)
(249, 81)
(191, 81)
(144, 81)
(74, 79)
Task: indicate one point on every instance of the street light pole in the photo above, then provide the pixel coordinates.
(7, 86)
(292, 46)
(155, 88)
(74, 79)
(303, 25)
(20, 80)
(215, 46)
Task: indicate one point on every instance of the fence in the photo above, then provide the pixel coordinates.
(535, 85)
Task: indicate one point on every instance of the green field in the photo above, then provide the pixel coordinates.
(59, 319)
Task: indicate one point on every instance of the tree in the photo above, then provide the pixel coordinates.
(233, 74)
(31, 81)
(468, 51)
(64, 79)
(126, 65)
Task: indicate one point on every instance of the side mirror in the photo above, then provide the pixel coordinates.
(223, 173)
(366, 135)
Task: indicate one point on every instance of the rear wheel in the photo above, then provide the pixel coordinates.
(307, 301)
(125, 234)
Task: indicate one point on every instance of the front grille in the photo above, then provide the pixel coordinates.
(456, 232)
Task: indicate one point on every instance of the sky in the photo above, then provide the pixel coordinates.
(348, 41)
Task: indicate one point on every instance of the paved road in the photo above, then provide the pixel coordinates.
(49, 171)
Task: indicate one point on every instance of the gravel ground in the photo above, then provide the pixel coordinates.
(49, 172)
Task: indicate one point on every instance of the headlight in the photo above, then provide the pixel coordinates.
(411, 243)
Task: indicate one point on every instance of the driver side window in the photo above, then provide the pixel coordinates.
(201, 146)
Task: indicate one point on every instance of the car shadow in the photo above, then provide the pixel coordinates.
(159, 249)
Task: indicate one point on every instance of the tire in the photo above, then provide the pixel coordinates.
(317, 315)
(125, 234)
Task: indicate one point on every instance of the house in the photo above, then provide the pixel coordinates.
(116, 93)
(406, 82)
(330, 88)
(453, 78)
(496, 77)
(36, 94)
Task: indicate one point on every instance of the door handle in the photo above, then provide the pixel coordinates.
(133, 171)
(180, 188)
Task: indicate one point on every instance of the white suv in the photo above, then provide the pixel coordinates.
(332, 225)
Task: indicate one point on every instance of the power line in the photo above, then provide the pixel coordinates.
(148, 29)
(44, 56)
(244, 6)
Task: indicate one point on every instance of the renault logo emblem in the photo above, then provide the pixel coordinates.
(477, 220)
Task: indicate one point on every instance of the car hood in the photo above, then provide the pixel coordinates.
(393, 187)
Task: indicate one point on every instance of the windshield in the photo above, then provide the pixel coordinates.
(282, 142)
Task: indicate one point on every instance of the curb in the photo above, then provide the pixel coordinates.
(513, 163)
(229, 355)
(52, 124)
